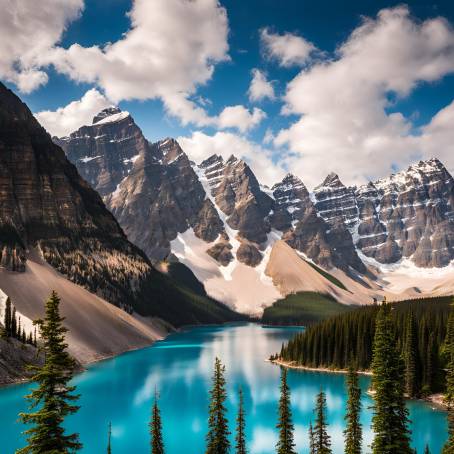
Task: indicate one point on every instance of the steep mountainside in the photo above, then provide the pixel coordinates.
(219, 220)
(46, 205)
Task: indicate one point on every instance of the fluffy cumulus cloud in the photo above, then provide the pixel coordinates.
(343, 103)
(260, 88)
(437, 138)
(200, 146)
(30, 29)
(240, 118)
(170, 50)
(287, 49)
(67, 119)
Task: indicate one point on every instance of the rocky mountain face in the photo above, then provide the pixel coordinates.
(159, 194)
(409, 214)
(105, 151)
(164, 196)
(47, 206)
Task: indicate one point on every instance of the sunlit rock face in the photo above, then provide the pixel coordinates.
(156, 192)
(105, 151)
(161, 197)
(409, 214)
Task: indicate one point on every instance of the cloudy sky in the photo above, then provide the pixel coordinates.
(306, 86)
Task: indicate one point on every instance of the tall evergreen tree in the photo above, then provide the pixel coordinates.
(8, 318)
(311, 439)
(157, 443)
(14, 323)
(411, 358)
(218, 432)
(285, 444)
(427, 450)
(240, 438)
(53, 400)
(109, 441)
(353, 432)
(449, 396)
(390, 417)
(321, 438)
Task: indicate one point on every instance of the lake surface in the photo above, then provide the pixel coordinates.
(121, 390)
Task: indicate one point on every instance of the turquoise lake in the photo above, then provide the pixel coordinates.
(121, 390)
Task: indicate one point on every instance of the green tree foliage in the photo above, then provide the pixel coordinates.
(53, 400)
(14, 323)
(240, 437)
(311, 439)
(157, 443)
(449, 396)
(322, 441)
(285, 444)
(412, 386)
(427, 450)
(353, 433)
(390, 417)
(8, 318)
(333, 342)
(218, 432)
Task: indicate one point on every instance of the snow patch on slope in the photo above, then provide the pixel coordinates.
(25, 322)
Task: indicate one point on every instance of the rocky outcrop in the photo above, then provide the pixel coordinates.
(162, 197)
(238, 195)
(335, 202)
(105, 151)
(249, 254)
(409, 214)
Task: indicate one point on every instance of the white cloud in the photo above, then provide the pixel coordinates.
(437, 139)
(287, 49)
(170, 50)
(260, 87)
(67, 119)
(342, 103)
(239, 117)
(200, 146)
(29, 30)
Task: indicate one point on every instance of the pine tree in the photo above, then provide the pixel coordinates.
(322, 440)
(240, 438)
(286, 444)
(157, 443)
(411, 359)
(427, 450)
(449, 396)
(390, 417)
(14, 323)
(353, 432)
(109, 437)
(8, 318)
(311, 439)
(53, 399)
(218, 433)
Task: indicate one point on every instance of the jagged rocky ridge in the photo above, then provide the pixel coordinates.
(159, 193)
(46, 205)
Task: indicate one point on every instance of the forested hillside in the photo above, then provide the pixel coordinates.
(420, 330)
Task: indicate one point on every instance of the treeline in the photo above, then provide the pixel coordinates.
(12, 326)
(419, 332)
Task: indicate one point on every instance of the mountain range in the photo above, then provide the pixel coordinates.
(57, 234)
(220, 221)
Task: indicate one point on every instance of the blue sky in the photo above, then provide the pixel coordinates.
(397, 132)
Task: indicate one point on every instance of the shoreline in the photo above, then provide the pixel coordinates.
(437, 399)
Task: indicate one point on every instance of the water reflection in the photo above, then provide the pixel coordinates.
(120, 390)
